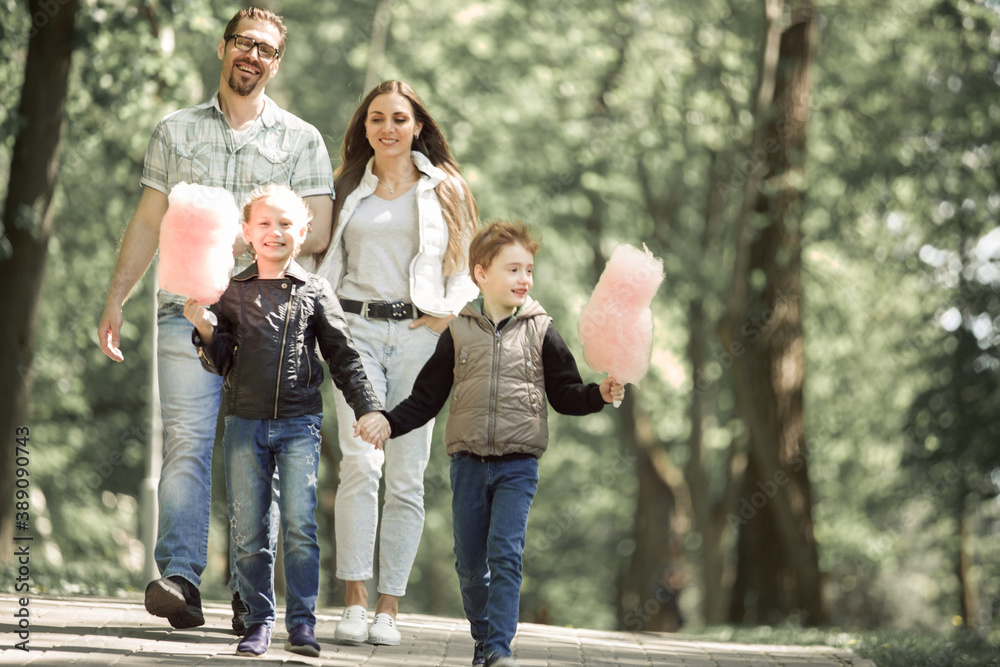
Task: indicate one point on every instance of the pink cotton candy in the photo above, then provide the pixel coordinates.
(196, 242)
(616, 325)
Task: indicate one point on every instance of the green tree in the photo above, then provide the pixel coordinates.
(778, 564)
(952, 428)
(89, 417)
(600, 124)
(27, 223)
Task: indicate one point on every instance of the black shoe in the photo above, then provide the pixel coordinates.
(479, 657)
(302, 640)
(177, 600)
(239, 612)
(256, 641)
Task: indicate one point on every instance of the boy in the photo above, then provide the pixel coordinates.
(504, 358)
(270, 321)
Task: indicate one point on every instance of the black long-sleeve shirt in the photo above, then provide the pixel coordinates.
(564, 388)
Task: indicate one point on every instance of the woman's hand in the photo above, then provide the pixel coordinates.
(435, 324)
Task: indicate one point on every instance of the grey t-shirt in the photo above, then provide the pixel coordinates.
(380, 241)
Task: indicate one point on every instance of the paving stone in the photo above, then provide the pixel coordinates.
(98, 631)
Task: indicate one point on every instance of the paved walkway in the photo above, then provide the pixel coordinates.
(100, 631)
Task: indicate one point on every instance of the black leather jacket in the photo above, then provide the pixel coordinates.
(265, 346)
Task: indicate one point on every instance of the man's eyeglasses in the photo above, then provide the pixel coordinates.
(265, 50)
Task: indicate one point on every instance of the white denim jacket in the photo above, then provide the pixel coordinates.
(430, 290)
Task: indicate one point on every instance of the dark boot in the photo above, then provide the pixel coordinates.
(176, 599)
(239, 612)
(256, 641)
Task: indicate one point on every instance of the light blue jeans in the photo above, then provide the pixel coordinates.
(254, 449)
(392, 355)
(490, 503)
(189, 402)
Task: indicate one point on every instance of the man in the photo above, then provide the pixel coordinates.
(238, 140)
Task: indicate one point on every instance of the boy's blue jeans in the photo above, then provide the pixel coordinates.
(253, 448)
(490, 503)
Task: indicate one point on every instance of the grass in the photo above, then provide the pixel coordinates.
(96, 577)
(885, 648)
(960, 648)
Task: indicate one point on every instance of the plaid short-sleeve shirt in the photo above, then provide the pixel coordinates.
(197, 145)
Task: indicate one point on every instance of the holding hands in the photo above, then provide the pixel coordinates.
(373, 428)
(612, 391)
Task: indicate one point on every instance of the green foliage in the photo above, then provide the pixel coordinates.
(89, 416)
(598, 123)
(901, 649)
(953, 419)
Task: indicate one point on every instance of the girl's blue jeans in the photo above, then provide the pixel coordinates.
(253, 449)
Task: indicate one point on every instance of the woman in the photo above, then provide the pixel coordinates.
(403, 218)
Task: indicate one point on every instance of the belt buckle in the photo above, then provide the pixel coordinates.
(398, 310)
(364, 309)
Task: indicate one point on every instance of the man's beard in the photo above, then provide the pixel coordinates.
(243, 90)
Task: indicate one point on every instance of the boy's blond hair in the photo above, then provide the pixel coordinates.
(492, 238)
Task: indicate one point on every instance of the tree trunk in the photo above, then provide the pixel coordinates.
(27, 221)
(764, 114)
(778, 566)
(650, 589)
(708, 512)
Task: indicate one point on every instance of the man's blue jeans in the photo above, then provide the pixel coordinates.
(253, 449)
(490, 503)
(189, 402)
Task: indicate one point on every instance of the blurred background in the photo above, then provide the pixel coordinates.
(817, 440)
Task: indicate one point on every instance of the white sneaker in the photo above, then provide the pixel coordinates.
(353, 625)
(383, 631)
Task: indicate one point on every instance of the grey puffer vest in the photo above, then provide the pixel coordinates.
(498, 406)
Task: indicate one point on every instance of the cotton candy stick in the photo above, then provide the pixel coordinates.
(616, 324)
(196, 242)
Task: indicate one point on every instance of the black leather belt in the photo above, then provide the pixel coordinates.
(518, 456)
(380, 310)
